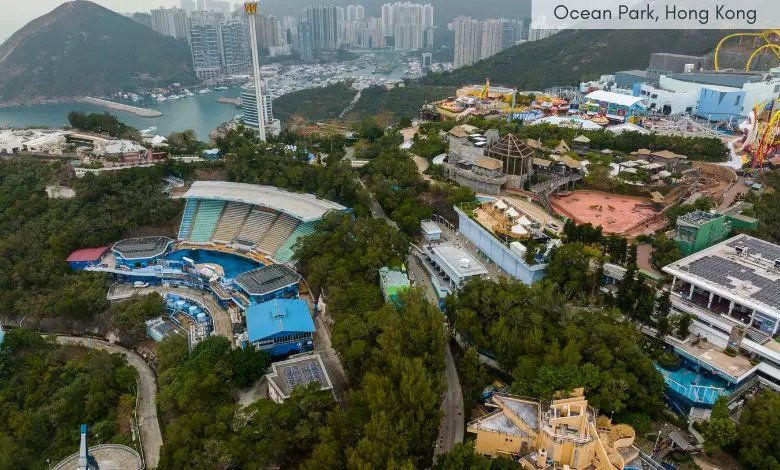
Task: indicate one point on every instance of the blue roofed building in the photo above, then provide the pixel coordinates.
(281, 326)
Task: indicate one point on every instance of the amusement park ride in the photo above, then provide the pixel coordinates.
(762, 128)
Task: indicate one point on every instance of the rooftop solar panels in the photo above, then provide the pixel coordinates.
(138, 248)
(302, 374)
(766, 250)
(267, 279)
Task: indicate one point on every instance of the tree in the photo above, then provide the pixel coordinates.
(666, 251)
(719, 433)
(128, 318)
(684, 322)
(171, 352)
(405, 122)
(472, 376)
(759, 431)
(47, 391)
(184, 143)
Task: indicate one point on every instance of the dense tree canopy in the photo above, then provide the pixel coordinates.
(47, 391)
(767, 207)
(104, 123)
(759, 432)
(38, 233)
(549, 346)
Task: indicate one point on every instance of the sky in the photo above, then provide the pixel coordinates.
(16, 13)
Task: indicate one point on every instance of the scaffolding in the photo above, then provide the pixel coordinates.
(516, 157)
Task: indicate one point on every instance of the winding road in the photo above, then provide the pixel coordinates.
(148, 425)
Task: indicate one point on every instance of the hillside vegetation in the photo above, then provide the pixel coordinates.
(47, 391)
(314, 104)
(81, 48)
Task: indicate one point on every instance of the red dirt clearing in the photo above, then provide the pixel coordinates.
(615, 213)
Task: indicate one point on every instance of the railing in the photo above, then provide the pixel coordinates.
(697, 393)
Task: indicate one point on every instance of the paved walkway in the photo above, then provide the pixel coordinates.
(223, 325)
(148, 425)
(452, 426)
(644, 252)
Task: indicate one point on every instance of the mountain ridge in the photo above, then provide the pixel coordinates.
(49, 58)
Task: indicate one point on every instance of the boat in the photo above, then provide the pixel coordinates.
(204, 91)
(161, 98)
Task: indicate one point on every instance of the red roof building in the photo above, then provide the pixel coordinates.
(84, 257)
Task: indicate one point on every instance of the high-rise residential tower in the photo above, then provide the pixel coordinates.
(170, 22)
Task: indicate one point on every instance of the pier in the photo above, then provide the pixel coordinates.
(141, 112)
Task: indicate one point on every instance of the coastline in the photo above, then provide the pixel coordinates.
(114, 106)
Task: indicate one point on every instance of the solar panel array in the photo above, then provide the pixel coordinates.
(302, 374)
(769, 251)
(721, 272)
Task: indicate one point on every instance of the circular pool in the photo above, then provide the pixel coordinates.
(232, 264)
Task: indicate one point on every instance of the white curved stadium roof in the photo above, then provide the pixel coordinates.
(305, 207)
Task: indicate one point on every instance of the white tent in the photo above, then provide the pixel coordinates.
(512, 213)
(519, 230)
(500, 205)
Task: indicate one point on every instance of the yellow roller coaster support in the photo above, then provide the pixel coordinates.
(767, 140)
(767, 36)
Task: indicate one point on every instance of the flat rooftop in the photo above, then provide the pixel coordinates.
(267, 279)
(459, 260)
(429, 226)
(736, 367)
(302, 370)
(304, 207)
(393, 278)
(750, 278)
(140, 248)
(698, 218)
(725, 79)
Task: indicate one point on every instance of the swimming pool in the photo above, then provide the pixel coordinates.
(700, 388)
(232, 264)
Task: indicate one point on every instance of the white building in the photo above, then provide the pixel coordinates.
(711, 95)
(171, 22)
(10, 142)
(408, 24)
(733, 286)
(299, 371)
(52, 142)
(249, 111)
(118, 147)
(476, 40)
(454, 263)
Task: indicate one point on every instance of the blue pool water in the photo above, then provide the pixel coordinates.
(232, 264)
(698, 388)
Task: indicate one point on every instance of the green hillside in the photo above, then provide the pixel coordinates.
(572, 56)
(80, 48)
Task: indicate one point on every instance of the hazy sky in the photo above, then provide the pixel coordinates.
(16, 13)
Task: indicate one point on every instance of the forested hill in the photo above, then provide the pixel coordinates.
(572, 56)
(81, 48)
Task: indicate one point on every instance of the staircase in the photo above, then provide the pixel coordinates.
(186, 220)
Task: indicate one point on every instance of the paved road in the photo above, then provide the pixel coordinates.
(223, 325)
(452, 428)
(151, 437)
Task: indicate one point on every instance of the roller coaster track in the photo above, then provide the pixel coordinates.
(768, 36)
